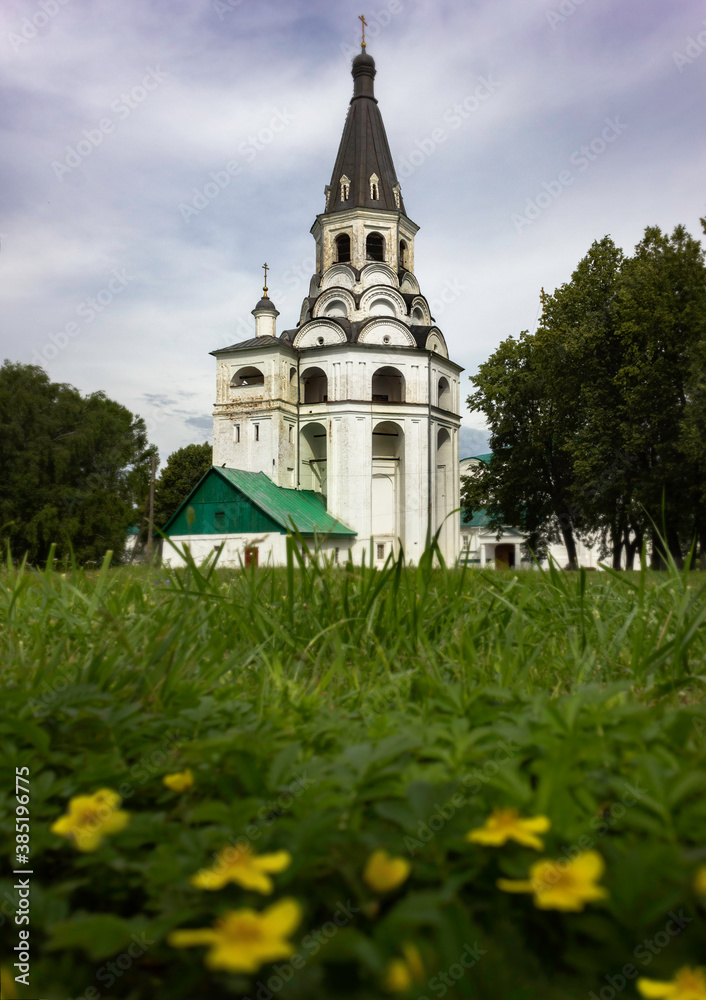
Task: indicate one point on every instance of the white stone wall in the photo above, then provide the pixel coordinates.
(272, 549)
(254, 426)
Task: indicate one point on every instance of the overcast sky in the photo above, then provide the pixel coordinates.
(522, 131)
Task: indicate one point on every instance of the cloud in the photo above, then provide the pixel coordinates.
(225, 72)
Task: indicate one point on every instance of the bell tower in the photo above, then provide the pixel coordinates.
(359, 401)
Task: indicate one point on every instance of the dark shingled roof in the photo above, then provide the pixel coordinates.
(364, 149)
(253, 342)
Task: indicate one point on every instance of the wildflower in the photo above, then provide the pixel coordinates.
(688, 984)
(383, 872)
(402, 973)
(562, 885)
(242, 865)
(700, 881)
(90, 818)
(242, 940)
(179, 782)
(505, 824)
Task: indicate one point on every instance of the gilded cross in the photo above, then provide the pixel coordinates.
(364, 24)
(266, 269)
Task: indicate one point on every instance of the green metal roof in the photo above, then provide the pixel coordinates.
(304, 509)
(480, 458)
(479, 519)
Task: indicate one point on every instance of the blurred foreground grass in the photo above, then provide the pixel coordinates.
(330, 711)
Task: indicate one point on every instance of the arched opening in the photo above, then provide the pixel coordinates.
(443, 493)
(313, 454)
(336, 307)
(387, 488)
(403, 254)
(248, 376)
(343, 248)
(444, 394)
(375, 247)
(505, 556)
(417, 316)
(388, 385)
(314, 386)
(381, 307)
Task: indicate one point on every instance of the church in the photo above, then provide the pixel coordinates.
(345, 426)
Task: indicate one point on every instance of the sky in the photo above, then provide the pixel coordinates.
(155, 153)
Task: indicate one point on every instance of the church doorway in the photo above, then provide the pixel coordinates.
(504, 556)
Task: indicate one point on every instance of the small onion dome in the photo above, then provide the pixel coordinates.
(363, 62)
(363, 71)
(265, 303)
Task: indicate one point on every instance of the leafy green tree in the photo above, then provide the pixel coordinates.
(74, 468)
(528, 481)
(598, 420)
(579, 321)
(182, 472)
(662, 326)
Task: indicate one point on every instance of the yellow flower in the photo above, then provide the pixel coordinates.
(700, 881)
(243, 940)
(562, 885)
(90, 818)
(242, 865)
(383, 872)
(505, 824)
(688, 984)
(179, 782)
(402, 973)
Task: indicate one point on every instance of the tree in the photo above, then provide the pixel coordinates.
(580, 320)
(527, 483)
(598, 420)
(182, 472)
(662, 326)
(75, 468)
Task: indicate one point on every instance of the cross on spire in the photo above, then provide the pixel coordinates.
(266, 269)
(364, 25)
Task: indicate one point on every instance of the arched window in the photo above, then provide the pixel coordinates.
(314, 386)
(388, 385)
(444, 394)
(375, 247)
(345, 188)
(343, 248)
(248, 376)
(374, 187)
(403, 254)
(417, 316)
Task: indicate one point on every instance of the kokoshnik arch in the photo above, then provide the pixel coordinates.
(356, 408)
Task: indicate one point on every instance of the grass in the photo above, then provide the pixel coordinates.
(331, 711)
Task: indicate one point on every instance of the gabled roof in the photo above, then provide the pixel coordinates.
(479, 519)
(304, 509)
(364, 149)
